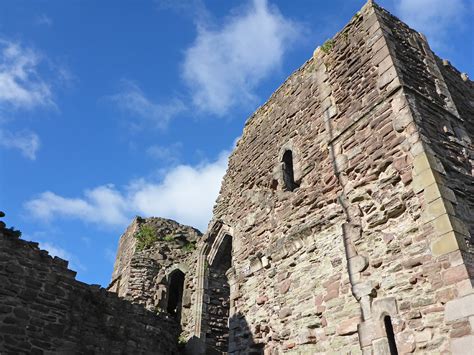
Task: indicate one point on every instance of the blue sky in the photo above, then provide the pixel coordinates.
(111, 109)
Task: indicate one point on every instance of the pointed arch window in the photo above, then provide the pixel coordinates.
(217, 338)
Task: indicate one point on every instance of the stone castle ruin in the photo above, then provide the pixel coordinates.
(344, 225)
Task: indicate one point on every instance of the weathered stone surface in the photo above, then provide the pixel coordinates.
(463, 345)
(348, 326)
(346, 214)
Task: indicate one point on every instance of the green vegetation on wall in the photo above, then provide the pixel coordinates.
(146, 237)
(327, 46)
(189, 247)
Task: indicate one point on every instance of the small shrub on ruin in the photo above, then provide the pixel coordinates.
(327, 46)
(146, 237)
(189, 247)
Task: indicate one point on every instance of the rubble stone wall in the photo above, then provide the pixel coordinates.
(43, 309)
(143, 276)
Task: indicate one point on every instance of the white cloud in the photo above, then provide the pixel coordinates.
(224, 66)
(21, 86)
(103, 204)
(133, 100)
(186, 193)
(432, 17)
(55, 250)
(25, 141)
(168, 154)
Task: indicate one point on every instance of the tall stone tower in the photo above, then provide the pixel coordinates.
(345, 219)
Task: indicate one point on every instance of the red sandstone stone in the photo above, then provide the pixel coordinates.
(348, 326)
(455, 274)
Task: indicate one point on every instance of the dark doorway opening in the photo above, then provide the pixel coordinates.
(288, 172)
(390, 335)
(217, 337)
(175, 296)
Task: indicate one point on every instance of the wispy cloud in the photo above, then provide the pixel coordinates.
(434, 18)
(168, 154)
(144, 111)
(194, 9)
(186, 193)
(21, 85)
(25, 141)
(44, 19)
(225, 64)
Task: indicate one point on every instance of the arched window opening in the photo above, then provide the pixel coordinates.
(288, 172)
(175, 293)
(217, 337)
(390, 335)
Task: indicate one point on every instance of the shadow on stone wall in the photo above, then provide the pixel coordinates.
(241, 338)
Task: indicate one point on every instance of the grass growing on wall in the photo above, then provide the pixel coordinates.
(146, 237)
(189, 247)
(168, 238)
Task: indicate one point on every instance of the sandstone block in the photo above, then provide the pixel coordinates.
(424, 179)
(423, 336)
(386, 77)
(284, 286)
(436, 208)
(387, 305)
(459, 308)
(445, 244)
(455, 274)
(402, 120)
(367, 333)
(285, 312)
(380, 347)
(348, 326)
(405, 342)
(261, 299)
(462, 346)
(358, 263)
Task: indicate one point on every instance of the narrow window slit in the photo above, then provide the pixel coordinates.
(288, 172)
(390, 335)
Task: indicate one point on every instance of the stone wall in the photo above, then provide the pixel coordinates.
(344, 224)
(373, 241)
(43, 309)
(143, 276)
